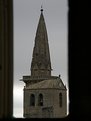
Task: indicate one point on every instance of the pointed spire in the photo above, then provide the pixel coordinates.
(41, 64)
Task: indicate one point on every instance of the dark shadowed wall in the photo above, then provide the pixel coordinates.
(6, 58)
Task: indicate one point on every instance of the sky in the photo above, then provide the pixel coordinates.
(26, 17)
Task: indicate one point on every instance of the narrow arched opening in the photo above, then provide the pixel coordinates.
(32, 100)
(40, 100)
(60, 99)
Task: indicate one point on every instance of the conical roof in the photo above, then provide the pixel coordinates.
(41, 54)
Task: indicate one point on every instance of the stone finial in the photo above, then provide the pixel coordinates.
(59, 75)
(41, 8)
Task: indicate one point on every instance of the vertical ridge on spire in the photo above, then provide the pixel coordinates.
(41, 64)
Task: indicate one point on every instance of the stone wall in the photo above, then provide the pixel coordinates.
(50, 99)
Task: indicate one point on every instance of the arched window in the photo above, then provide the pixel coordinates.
(32, 100)
(40, 100)
(60, 99)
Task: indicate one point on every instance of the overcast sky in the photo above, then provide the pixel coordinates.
(26, 17)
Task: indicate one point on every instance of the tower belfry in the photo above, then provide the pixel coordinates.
(41, 64)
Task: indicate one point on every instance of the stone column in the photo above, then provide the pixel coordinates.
(6, 58)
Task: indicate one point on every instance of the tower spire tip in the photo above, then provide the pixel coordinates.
(41, 8)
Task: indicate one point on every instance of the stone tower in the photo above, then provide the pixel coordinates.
(45, 96)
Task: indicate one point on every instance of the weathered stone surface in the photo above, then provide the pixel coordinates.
(41, 64)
